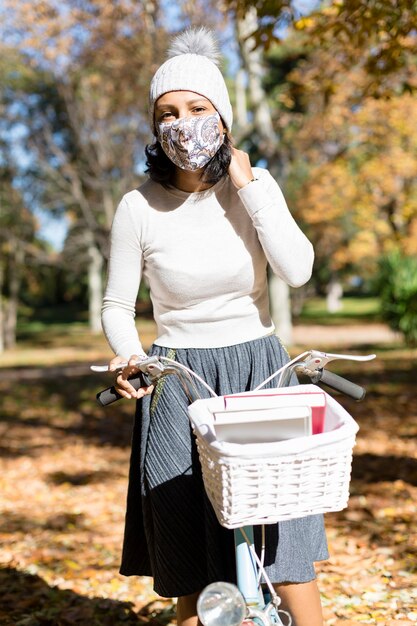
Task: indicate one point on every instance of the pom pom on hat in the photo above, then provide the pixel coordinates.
(196, 41)
(192, 66)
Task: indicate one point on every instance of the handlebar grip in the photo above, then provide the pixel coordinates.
(340, 384)
(109, 395)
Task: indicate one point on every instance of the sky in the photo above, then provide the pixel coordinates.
(52, 229)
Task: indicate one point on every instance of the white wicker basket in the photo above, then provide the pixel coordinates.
(250, 484)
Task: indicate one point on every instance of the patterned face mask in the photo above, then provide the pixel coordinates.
(191, 142)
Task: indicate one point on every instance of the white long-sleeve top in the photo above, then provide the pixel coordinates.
(204, 256)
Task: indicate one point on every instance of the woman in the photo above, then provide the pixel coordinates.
(200, 231)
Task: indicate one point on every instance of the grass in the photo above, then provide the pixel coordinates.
(353, 310)
(40, 343)
(33, 324)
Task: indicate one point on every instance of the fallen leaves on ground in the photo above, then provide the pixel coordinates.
(64, 464)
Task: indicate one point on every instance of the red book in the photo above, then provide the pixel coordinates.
(298, 395)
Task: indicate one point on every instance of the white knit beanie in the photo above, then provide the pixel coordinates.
(192, 66)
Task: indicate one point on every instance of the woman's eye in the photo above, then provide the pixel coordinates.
(165, 116)
(198, 109)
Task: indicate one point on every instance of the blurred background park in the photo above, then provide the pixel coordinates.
(324, 96)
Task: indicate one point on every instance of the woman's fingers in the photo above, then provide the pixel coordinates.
(240, 170)
(126, 390)
(122, 385)
(144, 391)
(115, 361)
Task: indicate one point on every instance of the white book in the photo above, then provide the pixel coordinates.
(264, 425)
(297, 395)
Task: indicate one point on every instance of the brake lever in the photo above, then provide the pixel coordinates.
(317, 360)
(153, 370)
(145, 362)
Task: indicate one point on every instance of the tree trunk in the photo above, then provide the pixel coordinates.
(10, 317)
(95, 288)
(252, 58)
(334, 295)
(1, 309)
(241, 104)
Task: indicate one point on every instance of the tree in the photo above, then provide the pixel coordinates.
(379, 36)
(264, 135)
(84, 109)
(358, 191)
(17, 229)
(345, 131)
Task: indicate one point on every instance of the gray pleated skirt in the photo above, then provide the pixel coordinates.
(171, 531)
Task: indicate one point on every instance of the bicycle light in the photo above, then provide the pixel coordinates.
(221, 604)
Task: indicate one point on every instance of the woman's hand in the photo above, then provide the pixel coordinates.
(122, 385)
(240, 170)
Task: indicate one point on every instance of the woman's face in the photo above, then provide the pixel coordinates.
(189, 129)
(175, 105)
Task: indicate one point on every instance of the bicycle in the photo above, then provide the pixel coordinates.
(254, 598)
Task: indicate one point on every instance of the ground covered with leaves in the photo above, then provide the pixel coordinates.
(64, 463)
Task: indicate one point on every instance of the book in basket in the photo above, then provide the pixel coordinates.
(262, 425)
(298, 395)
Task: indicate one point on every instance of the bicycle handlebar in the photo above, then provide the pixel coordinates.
(339, 383)
(110, 395)
(311, 363)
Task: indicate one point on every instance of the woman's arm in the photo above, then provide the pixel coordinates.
(123, 279)
(289, 252)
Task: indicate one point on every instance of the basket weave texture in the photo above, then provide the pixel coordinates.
(251, 484)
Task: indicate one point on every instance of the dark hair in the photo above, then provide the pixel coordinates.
(161, 169)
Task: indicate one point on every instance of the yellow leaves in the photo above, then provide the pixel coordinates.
(388, 512)
(304, 23)
(366, 199)
(410, 242)
(340, 258)
(388, 122)
(363, 245)
(72, 565)
(115, 584)
(329, 195)
(410, 208)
